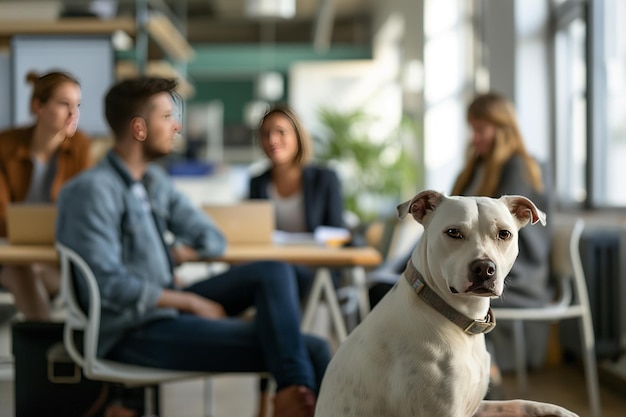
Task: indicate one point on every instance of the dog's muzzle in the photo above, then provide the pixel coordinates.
(482, 275)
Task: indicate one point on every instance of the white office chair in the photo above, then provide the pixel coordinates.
(89, 322)
(572, 302)
(6, 297)
(6, 361)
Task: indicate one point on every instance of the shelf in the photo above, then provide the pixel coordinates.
(164, 33)
(169, 38)
(128, 69)
(67, 26)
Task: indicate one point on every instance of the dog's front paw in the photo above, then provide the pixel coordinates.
(537, 409)
(522, 408)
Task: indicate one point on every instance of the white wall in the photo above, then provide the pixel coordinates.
(90, 59)
(448, 76)
(342, 86)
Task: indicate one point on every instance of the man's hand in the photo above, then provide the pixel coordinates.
(183, 253)
(191, 303)
(206, 308)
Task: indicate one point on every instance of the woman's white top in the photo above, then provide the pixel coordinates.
(289, 211)
(41, 181)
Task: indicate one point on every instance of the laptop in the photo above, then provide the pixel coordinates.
(249, 222)
(31, 224)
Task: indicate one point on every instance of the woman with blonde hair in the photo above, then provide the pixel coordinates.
(498, 163)
(496, 147)
(35, 162)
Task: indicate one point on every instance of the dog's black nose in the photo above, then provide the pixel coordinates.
(482, 269)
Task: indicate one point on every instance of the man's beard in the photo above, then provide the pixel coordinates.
(151, 152)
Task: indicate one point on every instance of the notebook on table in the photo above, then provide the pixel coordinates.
(31, 224)
(249, 222)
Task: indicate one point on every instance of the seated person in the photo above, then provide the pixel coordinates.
(497, 164)
(35, 161)
(115, 216)
(305, 196)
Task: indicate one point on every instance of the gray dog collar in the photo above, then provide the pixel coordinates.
(431, 298)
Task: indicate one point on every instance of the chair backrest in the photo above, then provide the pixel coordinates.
(394, 237)
(77, 319)
(565, 261)
(87, 321)
(89, 324)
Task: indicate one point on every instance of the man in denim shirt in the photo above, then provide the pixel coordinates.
(115, 216)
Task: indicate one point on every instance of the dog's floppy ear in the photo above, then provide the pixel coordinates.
(419, 205)
(524, 210)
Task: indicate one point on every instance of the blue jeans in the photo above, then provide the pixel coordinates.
(272, 341)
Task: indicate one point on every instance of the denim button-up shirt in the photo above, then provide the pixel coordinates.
(106, 223)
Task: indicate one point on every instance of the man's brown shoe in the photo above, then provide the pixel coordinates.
(294, 401)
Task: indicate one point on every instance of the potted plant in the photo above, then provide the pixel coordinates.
(376, 173)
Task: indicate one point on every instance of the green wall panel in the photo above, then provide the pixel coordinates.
(247, 60)
(234, 94)
(228, 73)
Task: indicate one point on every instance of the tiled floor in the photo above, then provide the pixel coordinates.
(236, 395)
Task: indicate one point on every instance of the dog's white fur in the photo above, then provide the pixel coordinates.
(406, 358)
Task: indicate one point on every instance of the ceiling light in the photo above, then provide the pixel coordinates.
(270, 86)
(284, 9)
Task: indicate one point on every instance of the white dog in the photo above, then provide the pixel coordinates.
(421, 352)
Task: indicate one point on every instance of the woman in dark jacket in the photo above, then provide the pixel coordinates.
(305, 196)
(320, 193)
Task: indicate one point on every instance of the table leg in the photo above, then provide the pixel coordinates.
(323, 285)
(359, 280)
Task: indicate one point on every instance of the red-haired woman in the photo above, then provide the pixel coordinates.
(35, 161)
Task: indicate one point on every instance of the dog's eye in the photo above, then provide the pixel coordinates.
(504, 235)
(454, 233)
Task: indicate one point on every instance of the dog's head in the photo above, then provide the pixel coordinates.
(470, 242)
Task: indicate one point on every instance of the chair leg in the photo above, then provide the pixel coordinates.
(209, 410)
(266, 391)
(520, 356)
(148, 401)
(589, 361)
(264, 403)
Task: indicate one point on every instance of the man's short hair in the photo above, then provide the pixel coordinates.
(130, 98)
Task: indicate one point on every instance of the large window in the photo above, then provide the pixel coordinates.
(614, 37)
(571, 136)
(590, 87)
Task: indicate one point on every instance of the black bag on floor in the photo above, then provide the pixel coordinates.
(48, 383)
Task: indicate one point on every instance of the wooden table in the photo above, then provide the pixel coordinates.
(319, 257)
(23, 255)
